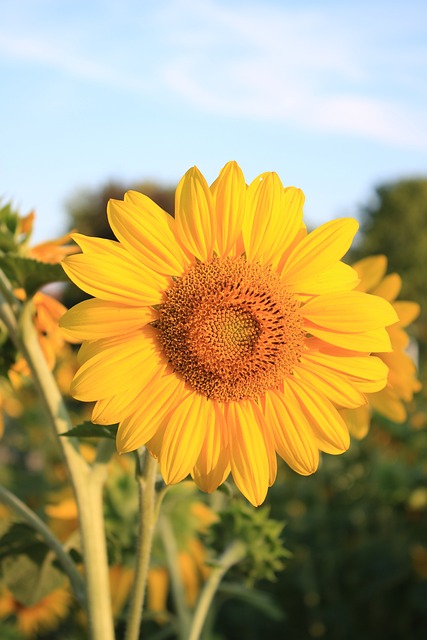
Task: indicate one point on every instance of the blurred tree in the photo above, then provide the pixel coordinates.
(395, 223)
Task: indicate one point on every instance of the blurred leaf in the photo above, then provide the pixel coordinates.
(7, 632)
(90, 430)
(31, 274)
(9, 220)
(27, 565)
(7, 352)
(258, 599)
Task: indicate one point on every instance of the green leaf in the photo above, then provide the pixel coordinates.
(253, 597)
(9, 221)
(7, 353)
(9, 632)
(28, 565)
(31, 274)
(90, 430)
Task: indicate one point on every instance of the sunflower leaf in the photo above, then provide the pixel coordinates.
(254, 598)
(27, 565)
(30, 274)
(90, 430)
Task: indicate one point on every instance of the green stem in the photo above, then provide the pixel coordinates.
(147, 499)
(170, 546)
(7, 310)
(233, 554)
(34, 521)
(87, 484)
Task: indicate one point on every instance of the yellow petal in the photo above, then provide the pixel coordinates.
(349, 311)
(113, 409)
(155, 403)
(389, 288)
(332, 385)
(248, 456)
(229, 197)
(293, 439)
(367, 373)
(371, 271)
(183, 438)
(357, 420)
(94, 319)
(329, 428)
(141, 231)
(406, 311)
(398, 337)
(144, 203)
(320, 250)
(273, 218)
(157, 590)
(213, 464)
(194, 211)
(386, 403)
(119, 368)
(339, 277)
(376, 340)
(109, 272)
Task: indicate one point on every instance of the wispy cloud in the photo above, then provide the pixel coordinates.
(62, 58)
(345, 69)
(322, 70)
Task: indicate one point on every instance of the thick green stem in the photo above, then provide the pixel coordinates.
(147, 521)
(87, 484)
(235, 552)
(34, 521)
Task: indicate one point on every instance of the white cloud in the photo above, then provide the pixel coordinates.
(314, 69)
(60, 57)
(352, 69)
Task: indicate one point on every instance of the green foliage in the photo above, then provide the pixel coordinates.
(27, 564)
(252, 598)
(121, 513)
(7, 352)
(8, 632)
(90, 430)
(260, 534)
(9, 228)
(30, 274)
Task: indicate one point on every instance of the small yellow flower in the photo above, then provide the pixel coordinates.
(402, 380)
(51, 251)
(40, 617)
(226, 334)
(47, 312)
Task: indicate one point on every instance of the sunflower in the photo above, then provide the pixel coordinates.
(41, 617)
(226, 334)
(402, 380)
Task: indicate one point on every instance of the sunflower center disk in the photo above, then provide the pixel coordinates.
(231, 329)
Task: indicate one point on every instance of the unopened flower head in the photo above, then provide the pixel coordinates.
(227, 334)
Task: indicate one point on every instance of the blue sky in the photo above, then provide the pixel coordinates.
(331, 95)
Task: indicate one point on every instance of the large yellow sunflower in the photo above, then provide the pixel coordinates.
(227, 334)
(402, 380)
